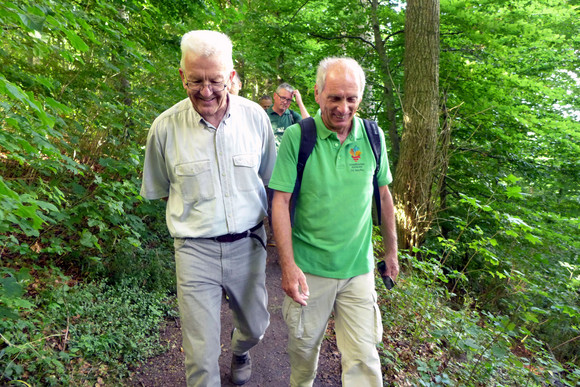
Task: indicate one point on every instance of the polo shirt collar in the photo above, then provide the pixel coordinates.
(271, 111)
(323, 132)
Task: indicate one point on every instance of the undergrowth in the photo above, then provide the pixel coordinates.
(58, 332)
(430, 340)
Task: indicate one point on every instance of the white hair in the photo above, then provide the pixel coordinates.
(207, 43)
(348, 63)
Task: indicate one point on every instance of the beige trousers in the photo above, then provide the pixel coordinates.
(358, 327)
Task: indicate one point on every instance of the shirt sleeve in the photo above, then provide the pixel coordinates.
(155, 184)
(384, 176)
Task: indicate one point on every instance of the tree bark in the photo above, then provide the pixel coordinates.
(414, 177)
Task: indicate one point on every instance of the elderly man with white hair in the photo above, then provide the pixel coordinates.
(327, 256)
(210, 156)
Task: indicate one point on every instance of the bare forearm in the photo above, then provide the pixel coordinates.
(282, 229)
(293, 279)
(303, 111)
(389, 232)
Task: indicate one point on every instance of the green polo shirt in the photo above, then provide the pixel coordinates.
(281, 122)
(332, 233)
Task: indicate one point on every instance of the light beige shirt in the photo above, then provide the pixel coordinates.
(213, 177)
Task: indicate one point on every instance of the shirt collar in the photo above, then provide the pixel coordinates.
(271, 111)
(232, 103)
(323, 132)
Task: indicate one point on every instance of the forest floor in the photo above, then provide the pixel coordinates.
(270, 364)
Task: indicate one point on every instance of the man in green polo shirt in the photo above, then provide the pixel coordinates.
(327, 256)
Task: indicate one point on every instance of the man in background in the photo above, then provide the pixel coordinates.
(209, 156)
(281, 117)
(265, 101)
(280, 114)
(327, 256)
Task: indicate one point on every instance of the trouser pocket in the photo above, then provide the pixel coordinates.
(294, 317)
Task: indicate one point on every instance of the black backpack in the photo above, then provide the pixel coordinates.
(307, 142)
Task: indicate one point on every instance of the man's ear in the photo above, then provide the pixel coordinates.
(183, 79)
(316, 94)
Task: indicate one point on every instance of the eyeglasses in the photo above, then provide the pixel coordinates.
(284, 99)
(199, 86)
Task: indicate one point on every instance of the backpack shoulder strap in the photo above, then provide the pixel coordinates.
(374, 137)
(307, 142)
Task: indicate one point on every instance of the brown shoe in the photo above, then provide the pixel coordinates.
(241, 368)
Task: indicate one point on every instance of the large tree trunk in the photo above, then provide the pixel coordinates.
(414, 177)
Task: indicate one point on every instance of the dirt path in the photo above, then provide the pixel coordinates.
(270, 365)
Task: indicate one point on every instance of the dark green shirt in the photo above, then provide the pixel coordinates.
(280, 123)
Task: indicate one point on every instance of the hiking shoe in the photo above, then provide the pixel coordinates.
(241, 368)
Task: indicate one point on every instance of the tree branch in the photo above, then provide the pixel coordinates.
(343, 37)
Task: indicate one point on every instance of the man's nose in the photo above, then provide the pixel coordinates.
(343, 106)
(206, 90)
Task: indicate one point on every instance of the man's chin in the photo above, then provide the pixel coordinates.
(205, 106)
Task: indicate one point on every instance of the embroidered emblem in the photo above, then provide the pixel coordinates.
(355, 153)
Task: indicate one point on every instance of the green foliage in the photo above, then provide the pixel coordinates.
(491, 298)
(430, 342)
(53, 336)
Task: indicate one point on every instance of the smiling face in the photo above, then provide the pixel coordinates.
(211, 101)
(340, 98)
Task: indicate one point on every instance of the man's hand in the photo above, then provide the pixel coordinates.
(392, 266)
(303, 112)
(294, 283)
(297, 96)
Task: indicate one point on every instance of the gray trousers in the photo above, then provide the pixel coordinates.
(204, 270)
(358, 326)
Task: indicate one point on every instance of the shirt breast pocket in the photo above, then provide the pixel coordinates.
(195, 180)
(246, 172)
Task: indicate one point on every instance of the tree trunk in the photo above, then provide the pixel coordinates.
(414, 178)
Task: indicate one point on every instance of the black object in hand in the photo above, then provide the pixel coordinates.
(388, 281)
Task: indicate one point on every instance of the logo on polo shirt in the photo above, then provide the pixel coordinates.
(355, 153)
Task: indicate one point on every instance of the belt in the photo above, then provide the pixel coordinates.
(227, 238)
